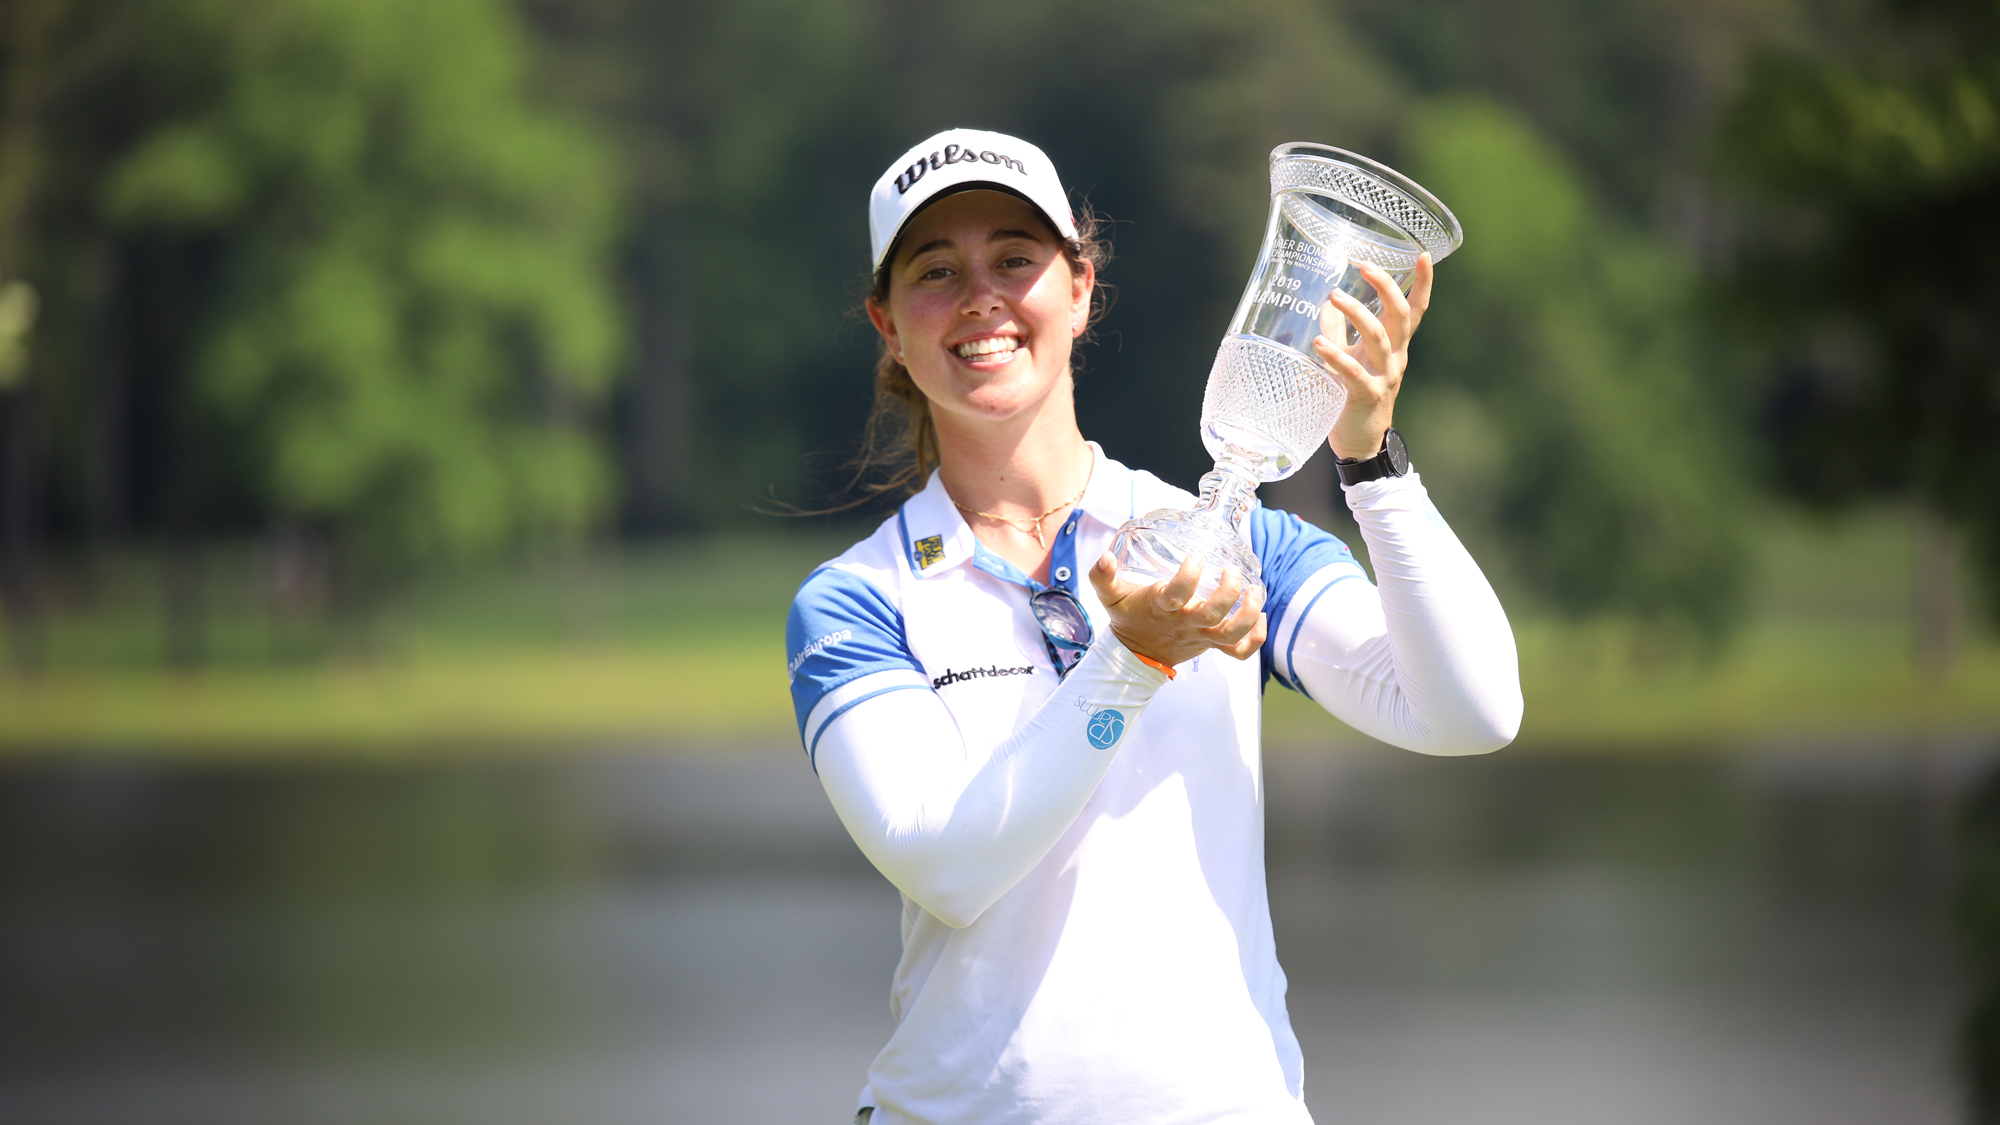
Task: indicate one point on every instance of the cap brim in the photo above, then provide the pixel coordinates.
(896, 242)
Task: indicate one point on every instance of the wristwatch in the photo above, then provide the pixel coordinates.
(1393, 461)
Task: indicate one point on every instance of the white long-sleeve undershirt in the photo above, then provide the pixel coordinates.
(1425, 658)
(954, 831)
(1425, 661)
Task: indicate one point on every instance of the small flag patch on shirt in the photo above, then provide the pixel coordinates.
(929, 550)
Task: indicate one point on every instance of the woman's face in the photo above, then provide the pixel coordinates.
(983, 306)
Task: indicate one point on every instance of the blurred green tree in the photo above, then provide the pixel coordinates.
(1626, 91)
(406, 318)
(64, 106)
(1576, 398)
(1870, 267)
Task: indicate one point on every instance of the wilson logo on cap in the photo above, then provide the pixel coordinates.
(953, 154)
(974, 158)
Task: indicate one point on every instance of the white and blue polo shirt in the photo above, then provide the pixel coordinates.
(1134, 965)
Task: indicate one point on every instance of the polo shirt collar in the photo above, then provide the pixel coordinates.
(937, 539)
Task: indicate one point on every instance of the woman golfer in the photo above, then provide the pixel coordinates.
(1063, 776)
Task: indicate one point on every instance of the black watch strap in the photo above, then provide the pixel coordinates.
(1393, 461)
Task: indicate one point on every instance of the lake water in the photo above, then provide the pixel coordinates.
(649, 936)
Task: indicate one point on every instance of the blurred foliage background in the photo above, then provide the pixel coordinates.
(381, 374)
(388, 378)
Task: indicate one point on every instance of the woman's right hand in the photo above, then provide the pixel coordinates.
(1161, 622)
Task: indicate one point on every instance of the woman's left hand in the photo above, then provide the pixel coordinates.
(1371, 370)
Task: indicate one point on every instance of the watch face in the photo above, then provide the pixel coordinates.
(1399, 454)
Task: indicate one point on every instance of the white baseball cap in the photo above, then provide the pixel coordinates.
(956, 160)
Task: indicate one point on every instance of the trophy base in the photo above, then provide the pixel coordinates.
(1152, 547)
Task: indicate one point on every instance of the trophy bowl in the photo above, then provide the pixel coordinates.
(1270, 400)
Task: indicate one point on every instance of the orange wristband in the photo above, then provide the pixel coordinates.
(1152, 663)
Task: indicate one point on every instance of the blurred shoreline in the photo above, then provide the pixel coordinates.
(681, 644)
(563, 703)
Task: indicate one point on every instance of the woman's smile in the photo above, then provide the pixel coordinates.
(989, 350)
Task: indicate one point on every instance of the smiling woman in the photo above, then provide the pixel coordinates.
(980, 317)
(901, 440)
(1064, 778)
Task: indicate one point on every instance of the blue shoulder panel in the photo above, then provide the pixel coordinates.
(1291, 551)
(841, 628)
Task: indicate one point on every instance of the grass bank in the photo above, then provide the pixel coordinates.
(683, 645)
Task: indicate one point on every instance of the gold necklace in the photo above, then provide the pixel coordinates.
(1034, 521)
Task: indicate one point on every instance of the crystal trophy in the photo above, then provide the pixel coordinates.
(1271, 402)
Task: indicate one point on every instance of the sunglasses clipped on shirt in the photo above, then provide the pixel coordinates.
(1065, 626)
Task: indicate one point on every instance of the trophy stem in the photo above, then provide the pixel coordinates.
(1229, 490)
(1216, 531)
